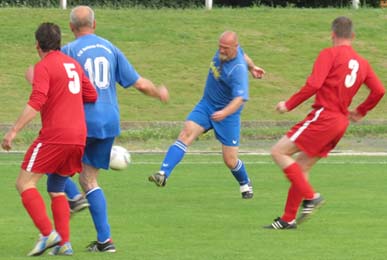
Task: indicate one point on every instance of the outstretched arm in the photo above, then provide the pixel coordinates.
(148, 88)
(255, 71)
(27, 115)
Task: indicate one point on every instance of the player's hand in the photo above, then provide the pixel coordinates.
(7, 140)
(355, 116)
(29, 75)
(281, 107)
(218, 115)
(163, 94)
(257, 72)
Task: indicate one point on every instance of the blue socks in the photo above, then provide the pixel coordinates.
(240, 173)
(71, 189)
(98, 210)
(174, 155)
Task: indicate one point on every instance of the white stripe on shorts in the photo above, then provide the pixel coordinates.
(33, 157)
(305, 125)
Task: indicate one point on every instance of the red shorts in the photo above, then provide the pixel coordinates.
(319, 132)
(65, 159)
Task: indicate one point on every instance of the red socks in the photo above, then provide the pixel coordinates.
(295, 175)
(61, 213)
(299, 189)
(34, 204)
(292, 204)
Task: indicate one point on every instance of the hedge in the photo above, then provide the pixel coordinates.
(188, 3)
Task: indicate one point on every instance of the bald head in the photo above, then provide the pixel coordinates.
(229, 38)
(228, 45)
(82, 18)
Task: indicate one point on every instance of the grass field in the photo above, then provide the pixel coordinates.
(200, 214)
(175, 47)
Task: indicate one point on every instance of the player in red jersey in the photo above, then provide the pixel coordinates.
(59, 90)
(337, 75)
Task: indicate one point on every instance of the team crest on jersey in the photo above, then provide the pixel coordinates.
(215, 71)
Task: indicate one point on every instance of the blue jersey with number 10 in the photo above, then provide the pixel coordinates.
(105, 65)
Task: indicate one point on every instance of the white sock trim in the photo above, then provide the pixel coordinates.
(244, 188)
(92, 190)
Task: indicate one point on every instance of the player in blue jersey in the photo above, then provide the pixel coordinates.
(105, 66)
(225, 93)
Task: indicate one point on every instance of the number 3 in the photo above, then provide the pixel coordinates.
(350, 79)
(74, 84)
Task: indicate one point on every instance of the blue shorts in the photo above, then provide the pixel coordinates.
(97, 152)
(226, 131)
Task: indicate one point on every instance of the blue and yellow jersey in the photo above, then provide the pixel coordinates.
(227, 80)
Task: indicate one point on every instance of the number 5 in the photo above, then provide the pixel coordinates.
(74, 84)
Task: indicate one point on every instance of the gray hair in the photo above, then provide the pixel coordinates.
(82, 16)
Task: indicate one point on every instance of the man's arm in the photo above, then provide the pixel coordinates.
(29, 75)
(377, 91)
(148, 88)
(27, 115)
(255, 71)
(231, 108)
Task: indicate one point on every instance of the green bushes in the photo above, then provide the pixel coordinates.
(188, 3)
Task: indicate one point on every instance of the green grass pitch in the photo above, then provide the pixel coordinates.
(200, 215)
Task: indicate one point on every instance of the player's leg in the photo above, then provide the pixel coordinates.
(60, 212)
(227, 132)
(197, 122)
(282, 153)
(295, 198)
(98, 210)
(33, 201)
(308, 206)
(238, 170)
(97, 156)
(300, 188)
(69, 161)
(34, 204)
(75, 198)
(316, 135)
(176, 152)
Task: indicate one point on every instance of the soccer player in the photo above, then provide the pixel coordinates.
(105, 66)
(337, 75)
(225, 93)
(59, 89)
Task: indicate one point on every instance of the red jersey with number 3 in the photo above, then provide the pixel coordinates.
(59, 90)
(337, 75)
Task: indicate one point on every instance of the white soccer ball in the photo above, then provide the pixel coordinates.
(119, 158)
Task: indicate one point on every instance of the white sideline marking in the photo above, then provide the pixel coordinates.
(222, 163)
(258, 161)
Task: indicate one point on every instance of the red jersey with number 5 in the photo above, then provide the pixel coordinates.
(59, 90)
(337, 75)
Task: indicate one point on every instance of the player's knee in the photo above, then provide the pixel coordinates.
(230, 162)
(87, 183)
(22, 185)
(56, 183)
(275, 152)
(19, 186)
(184, 135)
